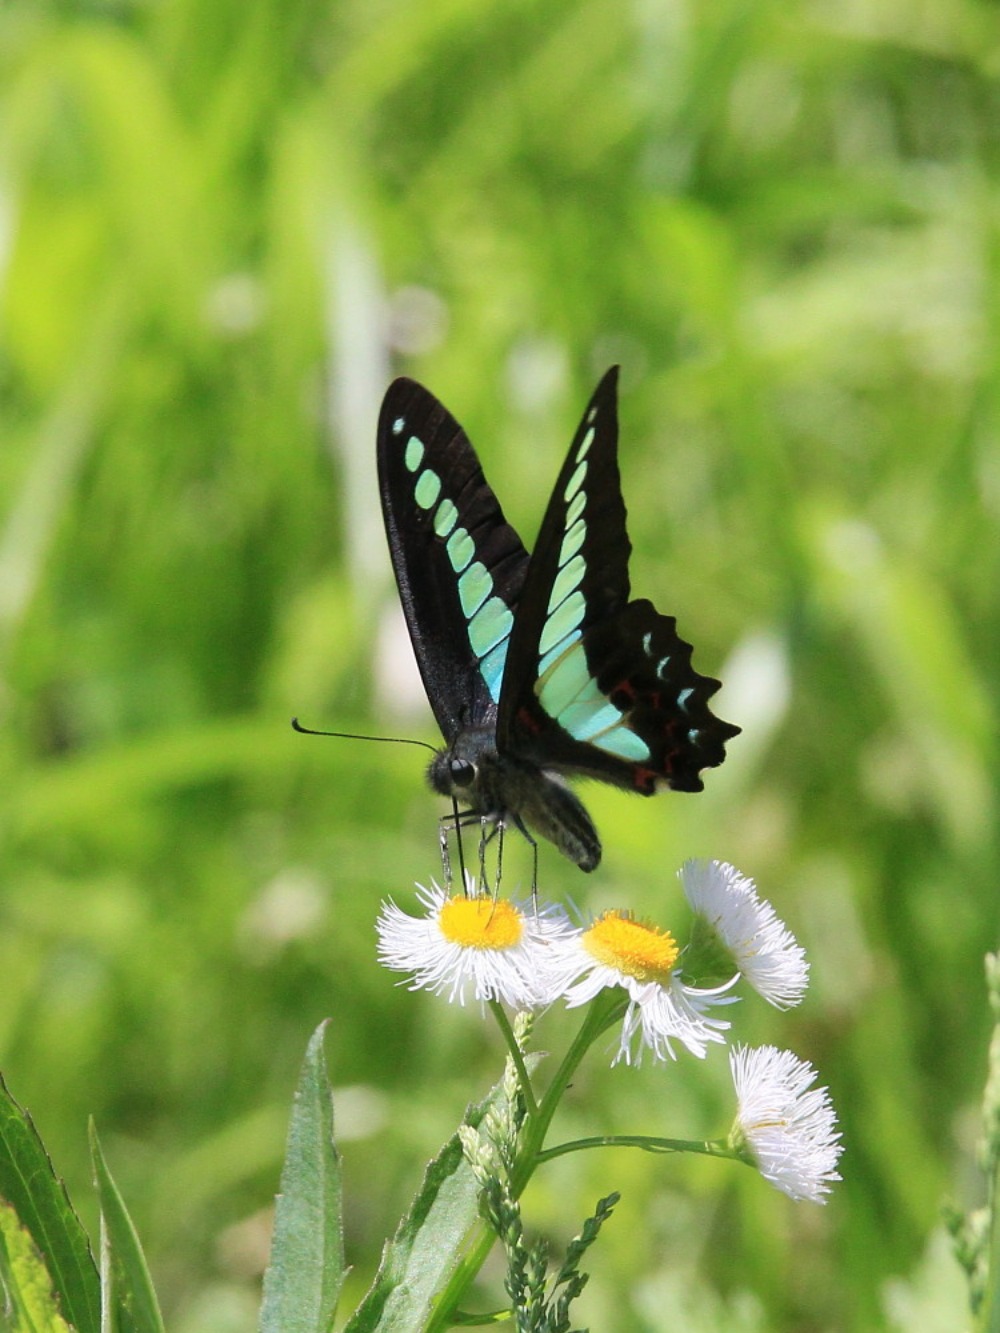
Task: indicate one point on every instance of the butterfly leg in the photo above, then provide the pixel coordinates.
(465, 819)
(447, 825)
(523, 829)
(458, 840)
(484, 838)
(492, 827)
(443, 830)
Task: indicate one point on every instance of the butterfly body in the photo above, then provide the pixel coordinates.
(537, 668)
(505, 788)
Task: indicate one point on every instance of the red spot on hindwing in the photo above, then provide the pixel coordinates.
(528, 720)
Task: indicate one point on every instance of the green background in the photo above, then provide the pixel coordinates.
(223, 228)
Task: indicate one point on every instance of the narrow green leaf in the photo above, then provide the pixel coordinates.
(128, 1286)
(29, 1184)
(32, 1306)
(428, 1244)
(303, 1280)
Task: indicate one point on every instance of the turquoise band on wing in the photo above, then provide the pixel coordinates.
(571, 697)
(489, 629)
(491, 666)
(445, 518)
(576, 507)
(624, 742)
(560, 684)
(568, 578)
(414, 454)
(588, 719)
(575, 482)
(474, 586)
(572, 541)
(489, 620)
(556, 652)
(567, 616)
(427, 489)
(461, 548)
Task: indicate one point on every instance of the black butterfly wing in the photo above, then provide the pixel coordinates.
(459, 565)
(597, 684)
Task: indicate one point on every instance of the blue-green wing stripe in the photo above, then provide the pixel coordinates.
(565, 618)
(474, 586)
(491, 623)
(568, 578)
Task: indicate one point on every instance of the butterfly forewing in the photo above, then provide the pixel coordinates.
(459, 565)
(596, 684)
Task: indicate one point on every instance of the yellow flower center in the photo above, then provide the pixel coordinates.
(638, 950)
(481, 923)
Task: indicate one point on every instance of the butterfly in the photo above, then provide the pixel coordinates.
(537, 667)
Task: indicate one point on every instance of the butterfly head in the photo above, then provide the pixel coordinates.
(455, 771)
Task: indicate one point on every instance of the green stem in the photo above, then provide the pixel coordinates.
(603, 1011)
(707, 1147)
(601, 1014)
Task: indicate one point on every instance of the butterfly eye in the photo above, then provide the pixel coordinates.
(463, 774)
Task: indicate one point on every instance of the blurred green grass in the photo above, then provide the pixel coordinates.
(222, 230)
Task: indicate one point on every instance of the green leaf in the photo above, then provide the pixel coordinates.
(29, 1184)
(306, 1272)
(32, 1306)
(428, 1244)
(128, 1288)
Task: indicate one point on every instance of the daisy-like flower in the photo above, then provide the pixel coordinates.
(784, 1126)
(737, 930)
(617, 950)
(494, 948)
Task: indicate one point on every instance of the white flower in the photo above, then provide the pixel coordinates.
(617, 950)
(784, 1126)
(752, 937)
(493, 947)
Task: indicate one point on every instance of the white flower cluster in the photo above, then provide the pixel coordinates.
(529, 956)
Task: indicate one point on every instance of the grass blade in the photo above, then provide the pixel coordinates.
(29, 1184)
(303, 1280)
(129, 1299)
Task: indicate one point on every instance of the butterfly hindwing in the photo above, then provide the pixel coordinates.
(643, 667)
(459, 565)
(597, 684)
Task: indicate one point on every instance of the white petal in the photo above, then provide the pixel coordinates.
(763, 948)
(789, 1126)
(659, 1015)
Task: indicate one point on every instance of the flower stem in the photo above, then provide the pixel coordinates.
(603, 1011)
(707, 1147)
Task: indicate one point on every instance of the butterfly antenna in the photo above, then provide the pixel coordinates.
(355, 736)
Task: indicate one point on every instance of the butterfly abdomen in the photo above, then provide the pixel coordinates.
(548, 806)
